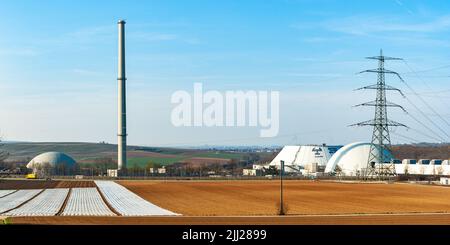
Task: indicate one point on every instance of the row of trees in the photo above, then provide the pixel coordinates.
(421, 151)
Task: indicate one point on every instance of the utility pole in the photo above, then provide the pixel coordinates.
(381, 141)
(281, 211)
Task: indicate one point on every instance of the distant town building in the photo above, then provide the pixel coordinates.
(112, 173)
(251, 172)
(445, 181)
(162, 170)
(157, 170)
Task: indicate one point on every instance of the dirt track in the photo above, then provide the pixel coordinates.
(424, 219)
(239, 198)
(42, 184)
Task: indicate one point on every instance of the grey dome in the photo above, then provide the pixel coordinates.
(55, 159)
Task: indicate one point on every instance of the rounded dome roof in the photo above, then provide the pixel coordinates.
(52, 158)
(353, 157)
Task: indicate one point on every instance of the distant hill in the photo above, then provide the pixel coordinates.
(137, 155)
(141, 155)
(25, 150)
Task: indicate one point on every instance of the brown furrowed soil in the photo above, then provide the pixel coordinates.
(251, 198)
(6, 184)
(75, 184)
(385, 219)
(255, 202)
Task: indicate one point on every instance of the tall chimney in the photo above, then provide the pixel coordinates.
(122, 126)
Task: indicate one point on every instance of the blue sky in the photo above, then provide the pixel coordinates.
(58, 65)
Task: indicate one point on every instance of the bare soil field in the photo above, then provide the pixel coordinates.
(75, 184)
(260, 198)
(43, 184)
(198, 161)
(255, 202)
(385, 219)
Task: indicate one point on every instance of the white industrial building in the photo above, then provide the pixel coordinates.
(423, 167)
(351, 160)
(299, 158)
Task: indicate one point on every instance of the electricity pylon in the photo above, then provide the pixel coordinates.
(378, 164)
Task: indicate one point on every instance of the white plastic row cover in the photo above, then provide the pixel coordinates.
(128, 203)
(48, 203)
(16, 199)
(86, 202)
(5, 192)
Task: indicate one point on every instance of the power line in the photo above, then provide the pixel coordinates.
(437, 76)
(440, 138)
(405, 137)
(435, 92)
(427, 70)
(428, 118)
(424, 134)
(423, 101)
(431, 108)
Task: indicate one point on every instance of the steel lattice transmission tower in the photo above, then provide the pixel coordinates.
(377, 164)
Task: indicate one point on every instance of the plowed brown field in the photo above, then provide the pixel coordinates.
(424, 219)
(239, 198)
(255, 202)
(75, 184)
(43, 184)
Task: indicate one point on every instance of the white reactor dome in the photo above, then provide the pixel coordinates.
(53, 159)
(352, 158)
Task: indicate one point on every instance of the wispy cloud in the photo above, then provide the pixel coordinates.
(152, 36)
(322, 39)
(106, 33)
(91, 34)
(86, 72)
(363, 25)
(398, 31)
(400, 3)
(299, 74)
(14, 51)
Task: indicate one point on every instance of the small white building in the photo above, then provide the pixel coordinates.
(157, 170)
(162, 170)
(112, 173)
(259, 166)
(445, 181)
(249, 172)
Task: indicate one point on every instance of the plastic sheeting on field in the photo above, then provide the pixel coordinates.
(48, 203)
(86, 202)
(17, 198)
(128, 203)
(5, 192)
